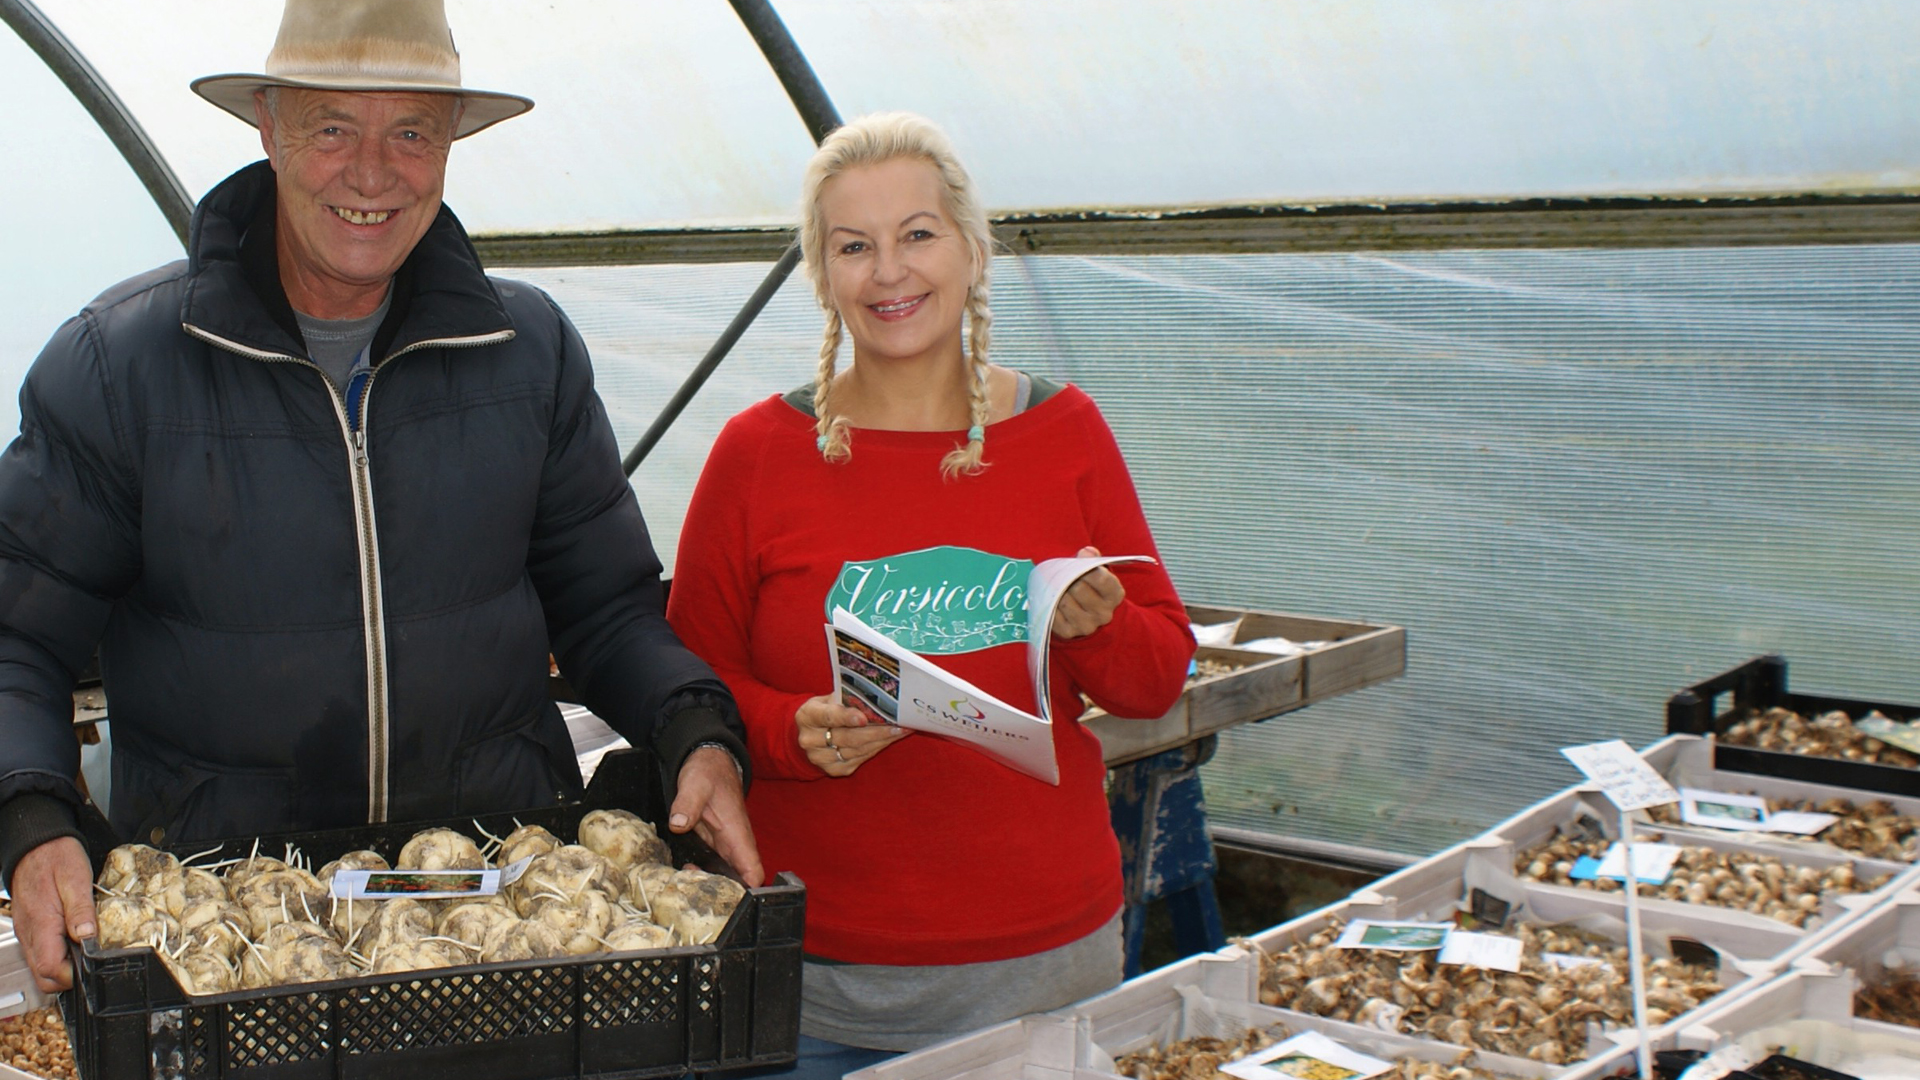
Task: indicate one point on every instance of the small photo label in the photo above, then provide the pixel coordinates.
(1394, 936)
(1717, 810)
(417, 884)
(1307, 1056)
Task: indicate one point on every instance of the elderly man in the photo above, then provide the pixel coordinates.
(325, 496)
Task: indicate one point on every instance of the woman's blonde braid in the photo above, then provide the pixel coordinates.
(969, 458)
(832, 431)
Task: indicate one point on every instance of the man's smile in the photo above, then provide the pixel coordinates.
(361, 217)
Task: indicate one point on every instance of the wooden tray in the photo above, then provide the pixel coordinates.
(1355, 655)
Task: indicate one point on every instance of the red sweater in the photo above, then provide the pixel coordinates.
(931, 853)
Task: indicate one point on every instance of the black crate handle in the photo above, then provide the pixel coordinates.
(1760, 683)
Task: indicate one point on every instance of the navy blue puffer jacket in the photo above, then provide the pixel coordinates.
(315, 611)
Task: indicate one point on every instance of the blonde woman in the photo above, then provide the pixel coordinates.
(915, 488)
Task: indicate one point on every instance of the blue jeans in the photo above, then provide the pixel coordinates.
(820, 1060)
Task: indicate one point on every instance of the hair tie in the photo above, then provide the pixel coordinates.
(976, 433)
(820, 443)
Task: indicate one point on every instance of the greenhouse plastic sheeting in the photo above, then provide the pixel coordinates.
(664, 114)
(1581, 479)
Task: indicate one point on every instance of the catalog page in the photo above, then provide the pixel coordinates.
(895, 686)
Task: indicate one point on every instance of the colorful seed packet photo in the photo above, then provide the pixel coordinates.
(1717, 810)
(1394, 936)
(1307, 1056)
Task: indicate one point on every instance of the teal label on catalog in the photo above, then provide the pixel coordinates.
(938, 600)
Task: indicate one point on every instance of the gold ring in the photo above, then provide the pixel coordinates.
(829, 738)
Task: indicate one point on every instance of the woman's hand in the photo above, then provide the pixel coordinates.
(1089, 602)
(838, 739)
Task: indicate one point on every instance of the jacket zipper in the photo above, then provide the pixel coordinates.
(367, 534)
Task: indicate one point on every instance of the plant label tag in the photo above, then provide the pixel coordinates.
(1905, 736)
(1394, 936)
(1569, 961)
(1716, 810)
(416, 884)
(1624, 776)
(1308, 1054)
(1488, 909)
(1689, 951)
(1652, 863)
(1727, 1059)
(1587, 827)
(1496, 952)
(1799, 822)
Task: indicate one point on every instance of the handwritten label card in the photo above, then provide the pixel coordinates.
(1800, 822)
(1624, 777)
(1496, 952)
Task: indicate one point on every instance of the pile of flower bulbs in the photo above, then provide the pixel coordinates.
(1568, 982)
(1200, 1058)
(1196, 1058)
(1205, 668)
(36, 1043)
(1744, 881)
(1876, 830)
(270, 922)
(1895, 999)
(1830, 734)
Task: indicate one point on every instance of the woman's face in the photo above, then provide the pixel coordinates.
(897, 265)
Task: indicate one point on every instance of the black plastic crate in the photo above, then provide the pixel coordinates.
(665, 1012)
(1761, 684)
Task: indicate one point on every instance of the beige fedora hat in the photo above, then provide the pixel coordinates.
(365, 46)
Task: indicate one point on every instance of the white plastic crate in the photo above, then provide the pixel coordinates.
(1806, 1013)
(1433, 890)
(1503, 849)
(1873, 945)
(17, 991)
(1538, 822)
(1062, 1046)
(1687, 761)
(1893, 927)
(1070, 1047)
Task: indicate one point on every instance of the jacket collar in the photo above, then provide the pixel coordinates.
(233, 294)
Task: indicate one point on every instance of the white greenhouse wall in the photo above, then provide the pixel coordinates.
(1582, 480)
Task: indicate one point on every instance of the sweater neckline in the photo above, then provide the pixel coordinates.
(1012, 427)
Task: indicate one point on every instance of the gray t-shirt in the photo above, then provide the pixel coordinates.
(884, 1007)
(336, 344)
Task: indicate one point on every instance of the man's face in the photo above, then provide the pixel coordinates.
(360, 177)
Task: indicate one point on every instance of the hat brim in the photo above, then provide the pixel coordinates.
(481, 109)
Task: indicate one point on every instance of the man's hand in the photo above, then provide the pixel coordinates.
(711, 803)
(52, 892)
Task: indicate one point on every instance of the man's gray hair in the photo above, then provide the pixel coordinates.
(271, 94)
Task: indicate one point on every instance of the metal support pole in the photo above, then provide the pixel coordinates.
(105, 107)
(790, 65)
(817, 112)
(698, 377)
